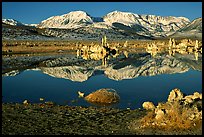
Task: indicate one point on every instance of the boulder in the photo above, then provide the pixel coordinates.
(175, 95)
(190, 98)
(159, 114)
(148, 105)
(197, 95)
(103, 97)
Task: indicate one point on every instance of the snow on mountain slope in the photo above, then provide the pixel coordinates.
(125, 18)
(69, 20)
(195, 25)
(12, 22)
(193, 30)
(150, 22)
(120, 25)
(31, 25)
(148, 25)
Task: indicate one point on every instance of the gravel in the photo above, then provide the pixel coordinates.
(51, 119)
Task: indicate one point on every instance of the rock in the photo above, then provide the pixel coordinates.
(175, 95)
(148, 105)
(159, 114)
(81, 94)
(177, 112)
(41, 99)
(188, 99)
(196, 95)
(103, 97)
(25, 102)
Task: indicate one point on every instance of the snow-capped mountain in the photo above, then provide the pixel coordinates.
(150, 22)
(70, 20)
(116, 25)
(192, 30)
(12, 22)
(195, 25)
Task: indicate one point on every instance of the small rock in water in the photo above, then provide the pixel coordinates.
(25, 102)
(81, 94)
(41, 99)
(103, 96)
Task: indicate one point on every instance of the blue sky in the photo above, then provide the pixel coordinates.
(35, 12)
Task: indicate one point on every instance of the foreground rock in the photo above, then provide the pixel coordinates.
(103, 97)
(179, 112)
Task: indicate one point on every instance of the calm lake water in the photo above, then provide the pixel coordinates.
(136, 78)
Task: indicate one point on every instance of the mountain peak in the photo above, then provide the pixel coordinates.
(70, 20)
(78, 13)
(12, 22)
(126, 18)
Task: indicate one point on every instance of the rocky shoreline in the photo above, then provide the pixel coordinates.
(45, 119)
(51, 119)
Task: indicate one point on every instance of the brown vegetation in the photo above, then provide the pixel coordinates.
(178, 113)
(176, 118)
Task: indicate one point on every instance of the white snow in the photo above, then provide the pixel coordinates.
(77, 19)
(12, 22)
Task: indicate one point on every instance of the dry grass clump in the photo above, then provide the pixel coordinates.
(179, 113)
(174, 117)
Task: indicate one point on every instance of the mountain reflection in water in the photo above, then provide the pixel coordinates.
(118, 67)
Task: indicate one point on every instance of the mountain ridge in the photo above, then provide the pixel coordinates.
(81, 18)
(124, 25)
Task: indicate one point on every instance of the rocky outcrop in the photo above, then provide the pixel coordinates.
(175, 95)
(179, 110)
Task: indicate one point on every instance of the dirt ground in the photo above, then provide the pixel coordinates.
(20, 46)
(49, 119)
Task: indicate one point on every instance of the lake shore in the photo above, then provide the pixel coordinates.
(15, 47)
(49, 119)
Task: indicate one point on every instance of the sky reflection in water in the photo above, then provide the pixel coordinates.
(34, 84)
